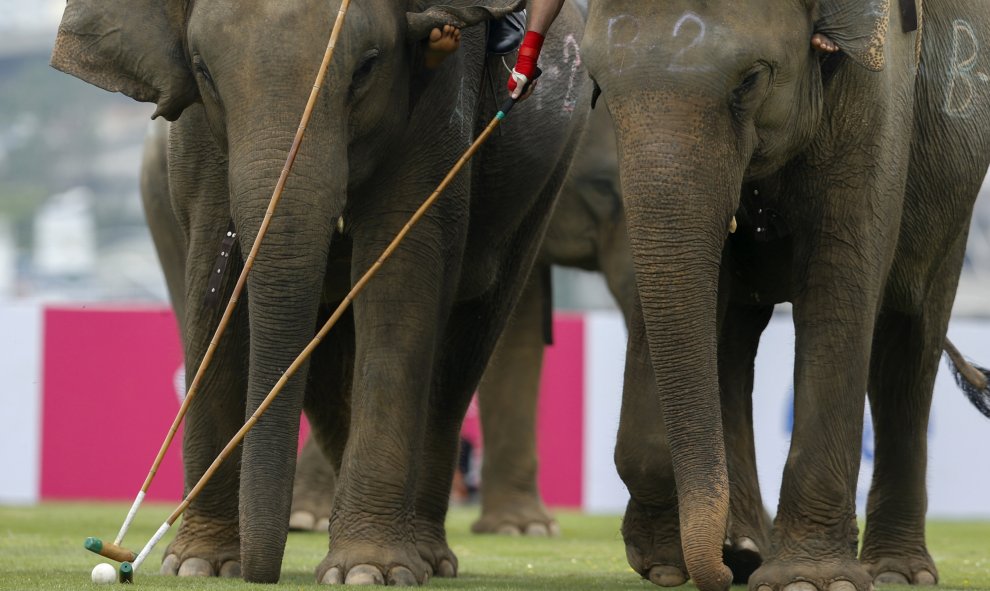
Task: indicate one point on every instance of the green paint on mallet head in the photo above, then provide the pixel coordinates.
(126, 573)
(111, 551)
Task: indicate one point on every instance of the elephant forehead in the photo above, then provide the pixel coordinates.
(689, 31)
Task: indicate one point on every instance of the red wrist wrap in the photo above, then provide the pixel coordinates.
(529, 54)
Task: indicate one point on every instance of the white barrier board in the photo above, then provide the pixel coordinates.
(959, 436)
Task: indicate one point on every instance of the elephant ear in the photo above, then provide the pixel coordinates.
(129, 46)
(426, 15)
(859, 27)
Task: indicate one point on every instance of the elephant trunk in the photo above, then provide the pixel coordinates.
(284, 290)
(681, 192)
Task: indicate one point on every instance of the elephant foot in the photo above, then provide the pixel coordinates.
(653, 544)
(811, 575)
(743, 556)
(368, 563)
(747, 540)
(204, 548)
(901, 570)
(308, 521)
(516, 515)
(431, 542)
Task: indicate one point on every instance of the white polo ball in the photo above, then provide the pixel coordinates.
(104, 573)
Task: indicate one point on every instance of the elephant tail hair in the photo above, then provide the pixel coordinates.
(972, 379)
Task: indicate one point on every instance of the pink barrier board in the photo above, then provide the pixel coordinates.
(111, 387)
(560, 432)
(109, 399)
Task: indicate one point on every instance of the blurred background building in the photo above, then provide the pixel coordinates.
(71, 226)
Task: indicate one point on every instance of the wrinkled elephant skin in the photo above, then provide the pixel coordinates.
(587, 231)
(386, 390)
(852, 176)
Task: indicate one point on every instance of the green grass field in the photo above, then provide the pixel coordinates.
(41, 548)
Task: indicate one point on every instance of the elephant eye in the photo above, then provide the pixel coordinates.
(363, 70)
(204, 76)
(751, 91)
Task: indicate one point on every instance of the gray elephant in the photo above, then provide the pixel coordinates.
(587, 231)
(849, 147)
(387, 389)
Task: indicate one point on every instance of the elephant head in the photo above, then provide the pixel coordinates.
(705, 96)
(251, 65)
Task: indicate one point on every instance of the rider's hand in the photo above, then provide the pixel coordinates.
(522, 74)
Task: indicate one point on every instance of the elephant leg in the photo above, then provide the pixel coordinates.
(327, 406)
(651, 525)
(207, 541)
(906, 351)
(815, 531)
(510, 501)
(471, 335)
(748, 536)
(396, 323)
(312, 489)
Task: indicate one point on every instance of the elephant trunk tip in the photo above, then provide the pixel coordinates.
(717, 579)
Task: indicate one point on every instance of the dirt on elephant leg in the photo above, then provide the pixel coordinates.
(653, 543)
(205, 548)
(515, 515)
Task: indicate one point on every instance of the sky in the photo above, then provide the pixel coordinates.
(32, 15)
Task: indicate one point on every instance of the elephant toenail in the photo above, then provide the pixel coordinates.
(196, 567)
(332, 577)
(446, 570)
(537, 530)
(764, 588)
(842, 586)
(322, 525)
(747, 545)
(925, 577)
(401, 576)
(170, 566)
(801, 586)
(891, 578)
(667, 576)
(231, 569)
(554, 529)
(302, 520)
(364, 574)
(508, 529)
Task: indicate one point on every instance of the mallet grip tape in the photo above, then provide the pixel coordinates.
(130, 517)
(511, 102)
(111, 551)
(151, 544)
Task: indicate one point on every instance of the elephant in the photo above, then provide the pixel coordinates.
(387, 388)
(586, 231)
(844, 142)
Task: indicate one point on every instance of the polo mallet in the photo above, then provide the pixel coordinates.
(358, 287)
(114, 551)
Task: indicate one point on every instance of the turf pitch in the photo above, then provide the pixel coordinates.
(41, 549)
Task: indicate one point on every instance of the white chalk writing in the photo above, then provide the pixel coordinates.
(961, 92)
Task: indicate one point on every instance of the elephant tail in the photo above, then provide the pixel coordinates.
(972, 379)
